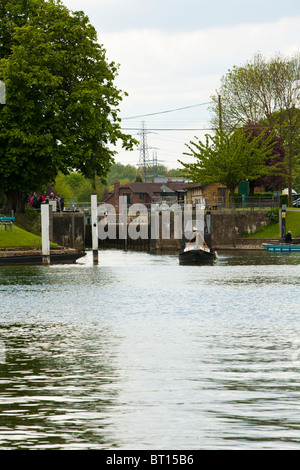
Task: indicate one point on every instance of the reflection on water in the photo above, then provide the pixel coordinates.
(141, 353)
(56, 386)
(258, 257)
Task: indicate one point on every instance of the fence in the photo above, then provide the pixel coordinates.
(251, 202)
(254, 202)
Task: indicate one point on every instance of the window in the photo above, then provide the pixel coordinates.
(127, 196)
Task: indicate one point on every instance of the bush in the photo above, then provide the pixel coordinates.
(273, 215)
(29, 221)
(284, 199)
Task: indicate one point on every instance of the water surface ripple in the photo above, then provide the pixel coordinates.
(141, 353)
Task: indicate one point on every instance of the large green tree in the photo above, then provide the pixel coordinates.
(74, 185)
(274, 177)
(230, 157)
(61, 109)
(266, 92)
(121, 172)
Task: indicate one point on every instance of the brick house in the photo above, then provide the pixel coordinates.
(212, 195)
(169, 192)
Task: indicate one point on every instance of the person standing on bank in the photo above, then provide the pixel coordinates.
(288, 237)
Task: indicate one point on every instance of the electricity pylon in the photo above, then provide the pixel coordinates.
(144, 160)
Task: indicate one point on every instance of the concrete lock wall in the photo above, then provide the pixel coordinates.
(68, 229)
(155, 245)
(228, 227)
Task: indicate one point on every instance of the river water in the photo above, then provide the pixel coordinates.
(141, 353)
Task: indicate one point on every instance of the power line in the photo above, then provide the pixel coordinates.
(168, 111)
(167, 129)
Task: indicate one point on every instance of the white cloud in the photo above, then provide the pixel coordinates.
(173, 54)
(175, 15)
(163, 71)
(164, 65)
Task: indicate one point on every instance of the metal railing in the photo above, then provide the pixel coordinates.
(77, 206)
(250, 202)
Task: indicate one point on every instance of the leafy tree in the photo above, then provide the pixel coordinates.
(276, 175)
(297, 183)
(62, 187)
(61, 109)
(76, 186)
(229, 158)
(287, 122)
(162, 171)
(121, 172)
(264, 91)
(129, 173)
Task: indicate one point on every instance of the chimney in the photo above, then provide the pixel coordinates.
(170, 183)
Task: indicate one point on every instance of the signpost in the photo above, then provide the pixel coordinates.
(45, 209)
(94, 214)
(283, 221)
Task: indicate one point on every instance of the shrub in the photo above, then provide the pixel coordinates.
(273, 215)
(29, 221)
(284, 199)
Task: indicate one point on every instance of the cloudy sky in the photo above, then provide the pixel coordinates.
(173, 54)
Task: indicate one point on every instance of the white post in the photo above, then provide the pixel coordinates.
(94, 227)
(45, 233)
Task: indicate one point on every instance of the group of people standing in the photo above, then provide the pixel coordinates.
(36, 201)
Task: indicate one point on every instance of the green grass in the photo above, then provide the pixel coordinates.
(19, 238)
(272, 230)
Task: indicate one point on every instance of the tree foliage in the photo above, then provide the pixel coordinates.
(77, 187)
(129, 173)
(62, 104)
(122, 172)
(230, 158)
(275, 175)
(257, 90)
(265, 92)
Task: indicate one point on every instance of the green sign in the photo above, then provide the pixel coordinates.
(244, 188)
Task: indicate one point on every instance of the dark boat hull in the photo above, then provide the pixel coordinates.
(196, 257)
(36, 259)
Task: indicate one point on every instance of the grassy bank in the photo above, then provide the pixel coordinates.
(29, 221)
(19, 238)
(26, 231)
(272, 230)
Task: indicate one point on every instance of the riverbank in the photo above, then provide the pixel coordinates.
(14, 256)
(248, 244)
(20, 238)
(230, 230)
(272, 230)
(19, 246)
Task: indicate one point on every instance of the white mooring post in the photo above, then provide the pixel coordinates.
(45, 233)
(94, 228)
